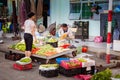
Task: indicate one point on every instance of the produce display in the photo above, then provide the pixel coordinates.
(34, 50)
(46, 50)
(49, 70)
(117, 76)
(77, 63)
(104, 75)
(65, 46)
(48, 66)
(62, 42)
(26, 59)
(45, 46)
(73, 64)
(79, 49)
(52, 40)
(63, 36)
(82, 60)
(20, 46)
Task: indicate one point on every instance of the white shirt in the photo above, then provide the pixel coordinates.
(28, 26)
(69, 33)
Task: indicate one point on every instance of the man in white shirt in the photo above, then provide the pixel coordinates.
(65, 32)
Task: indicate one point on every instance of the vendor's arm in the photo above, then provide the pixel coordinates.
(70, 34)
(60, 32)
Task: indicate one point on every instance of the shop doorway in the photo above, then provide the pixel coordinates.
(46, 12)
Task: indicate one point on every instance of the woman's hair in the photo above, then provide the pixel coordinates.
(30, 14)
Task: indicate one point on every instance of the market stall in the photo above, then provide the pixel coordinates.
(47, 58)
(45, 48)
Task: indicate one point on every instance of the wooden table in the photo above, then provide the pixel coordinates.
(47, 58)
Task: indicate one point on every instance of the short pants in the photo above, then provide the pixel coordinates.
(28, 41)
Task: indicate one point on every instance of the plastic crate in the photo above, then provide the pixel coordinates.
(55, 44)
(14, 56)
(49, 70)
(22, 67)
(58, 60)
(92, 71)
(70, 64)
(75, 71)
(83, 77)
(70, 72)
(49, 73)
(85, 71)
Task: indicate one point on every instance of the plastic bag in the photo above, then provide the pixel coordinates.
(98, 39)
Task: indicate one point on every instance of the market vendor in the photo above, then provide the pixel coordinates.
(29, 34)
(65, 32)
(52, 29)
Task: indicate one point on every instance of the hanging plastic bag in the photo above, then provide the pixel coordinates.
(98, 39)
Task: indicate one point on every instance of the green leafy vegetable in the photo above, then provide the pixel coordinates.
(25, 60)
(117, 76)
(20, 46)
(104, 75)
(44, 49)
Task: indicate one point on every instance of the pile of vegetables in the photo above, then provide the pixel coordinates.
(103, 75)
(46, 50)
(20, 46)
(82, 60)
(26, 60)
(49, 65)
(117, 76)
(52, 40)
(73, 64)
(34, 50)
(78, 62)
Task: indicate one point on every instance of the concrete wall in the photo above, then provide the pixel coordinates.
(60, 14)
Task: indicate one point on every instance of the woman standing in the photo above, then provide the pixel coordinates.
(29, 34)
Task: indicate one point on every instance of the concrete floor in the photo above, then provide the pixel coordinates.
(8, 73)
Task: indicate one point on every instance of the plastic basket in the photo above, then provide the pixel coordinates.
(55, 44)
(83, 77)
(58, 60)
(69, 72)
(13, 56)
(75, 64)
(49, 73)
(49, 70)
(22, 67)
